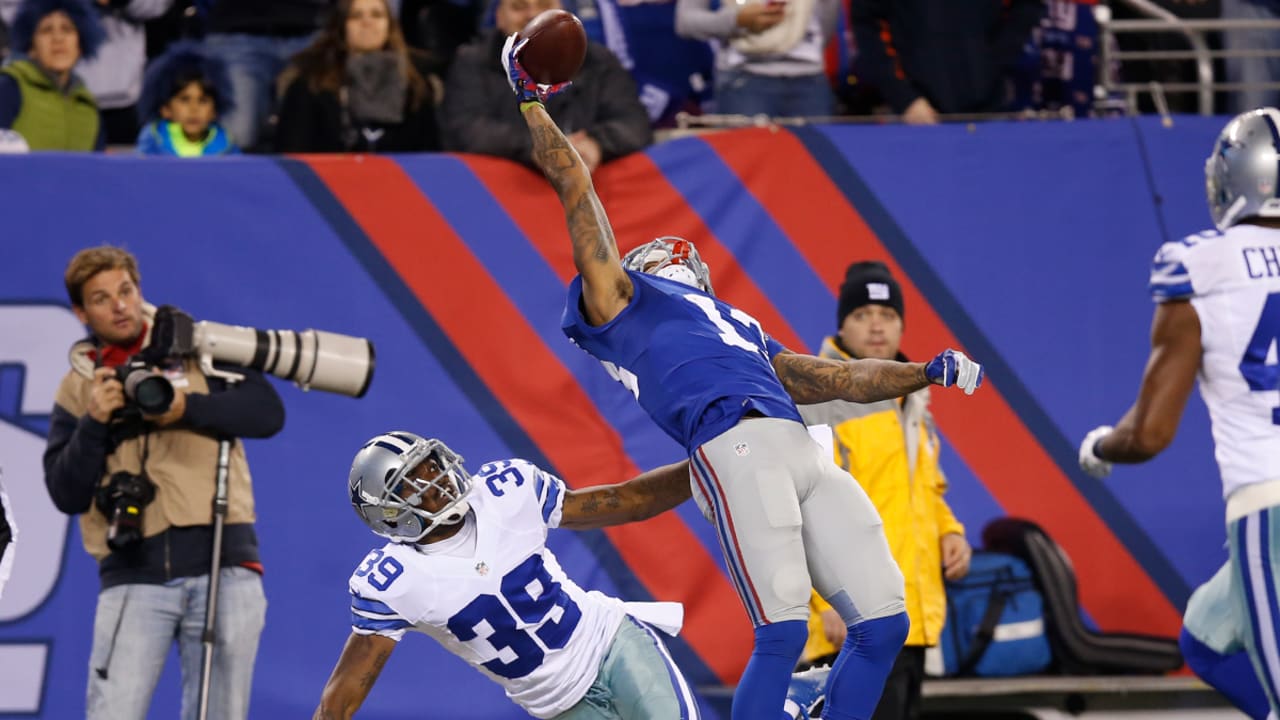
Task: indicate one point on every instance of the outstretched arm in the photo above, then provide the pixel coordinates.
(1148, 427)
(639, 498)
(606, 289)
(810, 379)
(358, 668)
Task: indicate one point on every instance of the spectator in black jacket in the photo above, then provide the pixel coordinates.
(256, 38)
(927, 57)
(358, 88)
(600, 112)
(142, 484)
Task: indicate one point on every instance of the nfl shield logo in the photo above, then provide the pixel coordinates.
(741, 449)
(481, 568)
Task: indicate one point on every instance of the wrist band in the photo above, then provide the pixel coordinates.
(524, 106)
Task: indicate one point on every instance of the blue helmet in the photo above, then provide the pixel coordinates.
(1240, 176)
(386, 493)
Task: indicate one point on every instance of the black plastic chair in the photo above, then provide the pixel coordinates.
(1077, 649)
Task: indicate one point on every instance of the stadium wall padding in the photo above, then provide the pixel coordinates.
(1026, 244)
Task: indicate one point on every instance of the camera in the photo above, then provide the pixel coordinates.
(311, 359)
(151, 393)
(122, 500)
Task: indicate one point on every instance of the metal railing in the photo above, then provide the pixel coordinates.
(1160, 20)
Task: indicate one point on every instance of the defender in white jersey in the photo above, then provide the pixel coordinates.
(467, 564)
(1218, 315)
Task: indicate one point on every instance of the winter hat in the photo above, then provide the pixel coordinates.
(868, 282)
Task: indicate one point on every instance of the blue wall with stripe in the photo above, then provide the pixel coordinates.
(1029, 242)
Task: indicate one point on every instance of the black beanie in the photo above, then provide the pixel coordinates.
(868, 283)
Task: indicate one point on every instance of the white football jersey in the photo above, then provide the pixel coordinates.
(1232, 279)
(494, 595)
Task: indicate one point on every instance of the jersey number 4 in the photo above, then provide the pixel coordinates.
(535, 599)
(1261, 376)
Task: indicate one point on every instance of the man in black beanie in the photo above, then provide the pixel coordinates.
(891, 447)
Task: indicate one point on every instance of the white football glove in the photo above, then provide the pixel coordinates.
(1094, 466)
(952, 367)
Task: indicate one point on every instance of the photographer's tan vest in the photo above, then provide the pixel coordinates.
(182, 464)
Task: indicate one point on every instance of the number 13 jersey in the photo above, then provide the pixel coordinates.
(694, 363)
(494, 594)
(1233, 281)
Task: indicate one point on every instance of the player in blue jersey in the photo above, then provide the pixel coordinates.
(787, 517)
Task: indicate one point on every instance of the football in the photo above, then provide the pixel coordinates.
(557, 45)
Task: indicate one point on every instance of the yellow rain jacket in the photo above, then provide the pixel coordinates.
(891, 447)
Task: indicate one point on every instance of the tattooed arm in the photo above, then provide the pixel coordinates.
(606, 289)
(639, 498)
(810, 379)
(358, 668)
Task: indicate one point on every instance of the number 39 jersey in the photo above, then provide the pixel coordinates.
(494, 594)
(1233, 281)
(694, 363)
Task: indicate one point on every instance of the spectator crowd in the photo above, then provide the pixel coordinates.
(209, 77)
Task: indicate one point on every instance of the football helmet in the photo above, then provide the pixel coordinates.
(672, 258)
(386, 496)
(1240, 176)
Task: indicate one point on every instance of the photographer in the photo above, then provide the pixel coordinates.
(142, 482)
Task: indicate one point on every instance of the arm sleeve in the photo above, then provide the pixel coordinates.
(773, 347)
(296, 130)
(249, 409)
(10, 101)
(1170, 279)
(946, 520)
(621, 124)
(74, 460)
(1022, 16)
(467, 117)
(374, 617)
(140, 11)
(550, 494)
(695, 19)
(877, 58)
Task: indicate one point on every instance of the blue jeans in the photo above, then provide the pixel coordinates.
(135, 626)
(1263, 69)
(253, 62)
(741, 93)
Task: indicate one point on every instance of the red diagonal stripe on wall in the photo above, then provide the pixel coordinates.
(533, 386)
(782, 175)
(642, 205)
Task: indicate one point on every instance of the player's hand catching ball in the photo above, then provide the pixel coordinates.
(521, 83)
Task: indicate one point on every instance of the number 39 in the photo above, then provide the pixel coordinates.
(376, 563)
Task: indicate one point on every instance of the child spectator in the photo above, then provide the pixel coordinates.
(184, 93)
(40, 97)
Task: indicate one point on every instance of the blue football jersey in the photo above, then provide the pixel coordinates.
(695, 364)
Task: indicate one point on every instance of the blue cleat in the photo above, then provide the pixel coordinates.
(806, 694)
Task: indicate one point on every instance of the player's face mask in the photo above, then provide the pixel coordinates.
(403, 486)
(672, 258)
